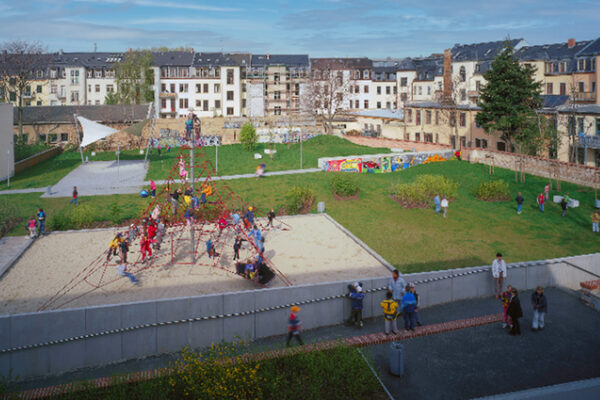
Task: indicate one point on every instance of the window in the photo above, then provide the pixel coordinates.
(230, 95)
(276, 77)
(407, 136)
(277, 95)
(97, 88)
(205, 105)
(183, 88)
(463, 74)
(366, 89)
(98, 73)
(38, 103)
(429, 90)
(12, 96)
(229, 80)
(378, 104)
(163, 103)
(75, 96)
(38, 89)
(205, 88)
(378, 89)
(428, 117)
(581, 87)
(593, 87)
(549, 88)
(366, 103)
(563, 89)
(64, 137)
(53, 74)
(420, 90)
(452, 119)
(356, 89)
(437, 117)
(53, 137)
(74, 77)
(277, 110)
(89, 88)
(198, 103)
(183, 104)
(43, 137)
(198, 88)
(356, 104)
(409, 116)
(229, 110)
(217, 88)
(218, 104)
(418, 117)
(417, 136)
(109, 88)
(388, 90)
(484, 143)
(437, 137)
(97, 102)
(462, 119)
(53, 89)
(403, 96)
(597, 126)
(173, 88)
(500, 146)
(388, 105)
(580, 125)
(463, 94)
(28, 103)
(428, 137)
(478, 86)
(403, 82)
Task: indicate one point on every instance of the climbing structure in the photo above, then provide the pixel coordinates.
(203, 211)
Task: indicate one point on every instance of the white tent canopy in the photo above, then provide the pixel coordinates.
(93, 131)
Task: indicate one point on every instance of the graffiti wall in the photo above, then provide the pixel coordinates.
(175, 138)
(283, 135)
(382, 163)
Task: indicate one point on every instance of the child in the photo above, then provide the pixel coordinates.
(390, 313)
(595, 220)
(122, 271)
(294, 325)
(444, 205)
(41, 217)
(271, 216)
(413, 290)
(250, 215)
(160, 233)
(151, 230)
(31, 226)
(250, 269)
(145, 248)
(436, 201)
(409, 304)
(563, 206)
(547, 191)
(75, 194)
(515, 312)
(540, 200)
(113, 247)
(210, 249)
(519, 199)
(357, 296)
(237, 245)
(132, 233)
(540, 306)
(124, 248)
(505, 299)
(153, 188)
(256, 235)
(189, 217)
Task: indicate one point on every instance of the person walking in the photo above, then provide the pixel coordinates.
(444, 206)
(357, 296)
(540, 307)
(540, 200)
(595, 220)
(75, 195)
(122, 271)
(547, 191)
(563, 206)
(390, 314)
(396, 286)
(499, 274)
(519, 199)
(436, 201)
(515, 312)
(294, 325)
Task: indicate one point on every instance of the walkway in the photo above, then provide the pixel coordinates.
(127, 184)
(11, 248)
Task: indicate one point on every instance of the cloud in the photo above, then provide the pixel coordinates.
(164, 4)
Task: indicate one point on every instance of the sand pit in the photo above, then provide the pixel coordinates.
(314, 250)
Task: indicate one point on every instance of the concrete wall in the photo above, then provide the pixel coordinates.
(36, 159)
(70, 339)
(7, 158)
(415, 158)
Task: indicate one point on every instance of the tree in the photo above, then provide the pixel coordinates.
(326, 93)
(111, 98)
(134, 78)
(248, 136)
(20, 63)
(509, 99)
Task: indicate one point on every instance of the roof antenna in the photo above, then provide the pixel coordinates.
(94, 47)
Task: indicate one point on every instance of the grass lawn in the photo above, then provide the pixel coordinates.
(411, 239)
(233, 159)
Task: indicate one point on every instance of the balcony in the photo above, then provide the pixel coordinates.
(167, 95)
(27, 95)
(584, 97)
(62, 95)
(590, 141)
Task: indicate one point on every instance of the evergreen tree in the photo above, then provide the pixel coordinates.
(509, 100)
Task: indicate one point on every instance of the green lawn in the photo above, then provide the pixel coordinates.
(233, 159)
(412, 239)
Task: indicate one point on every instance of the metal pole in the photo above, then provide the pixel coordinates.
(192, 185)
(217, 159)
(151, 134)
(8, 170)
(78, 139)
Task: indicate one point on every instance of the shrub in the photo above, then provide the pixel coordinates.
(248, 136)
(343, 184)
(8, 216)
(493, 191)
(299, 199)
(81, 216)
(420, 193)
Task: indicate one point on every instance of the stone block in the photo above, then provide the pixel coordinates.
(174, 337)
(66, 356)
(140, 342)
(517, 278)
(274, 322)
(471, 286)
(538, 275)
(204, 333)
(241, 327)
(327, 312)
(29, 329)
(107, 348)
(435, 292)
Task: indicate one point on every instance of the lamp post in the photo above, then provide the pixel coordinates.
(8, 170)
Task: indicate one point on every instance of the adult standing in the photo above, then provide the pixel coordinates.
(540, 307)
(499, 274)
(540, 200)
(41, 217)
(519, 199)
(515, 312)
(396, 286)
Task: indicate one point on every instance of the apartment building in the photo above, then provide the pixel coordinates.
(385, 86)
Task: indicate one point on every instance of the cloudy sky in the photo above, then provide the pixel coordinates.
(373, 28)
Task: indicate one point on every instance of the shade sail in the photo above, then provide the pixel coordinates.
(93, 131)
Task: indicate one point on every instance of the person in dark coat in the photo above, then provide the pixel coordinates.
(515, 312)
(540, 307)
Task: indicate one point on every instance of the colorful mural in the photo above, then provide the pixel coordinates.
(382, 163)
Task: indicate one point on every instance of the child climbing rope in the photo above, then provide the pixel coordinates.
(145, 248)
(183, 174)
(114, 245)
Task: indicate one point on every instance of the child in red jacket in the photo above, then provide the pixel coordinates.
(505, 299)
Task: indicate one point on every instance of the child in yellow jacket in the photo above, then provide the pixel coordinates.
(390, 314)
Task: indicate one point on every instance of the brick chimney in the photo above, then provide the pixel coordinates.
(447, 74)
(571, 43)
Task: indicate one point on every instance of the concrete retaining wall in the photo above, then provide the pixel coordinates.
(414, 158)
(106, 334)
(36, 159)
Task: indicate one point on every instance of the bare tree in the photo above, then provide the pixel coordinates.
(20, 63)
(326, 95)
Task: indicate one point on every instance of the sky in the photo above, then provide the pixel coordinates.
(336, 28)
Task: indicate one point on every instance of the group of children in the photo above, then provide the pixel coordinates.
(36, 225)
(513, 311)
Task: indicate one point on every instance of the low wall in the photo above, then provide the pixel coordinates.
(44, 343)
(36, 159)
(395, 161)
(553, 169)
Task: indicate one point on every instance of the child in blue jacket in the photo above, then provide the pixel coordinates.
(409, 304)
(357, 296)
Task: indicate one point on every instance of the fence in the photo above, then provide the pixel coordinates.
(36, 159)
(547, 168)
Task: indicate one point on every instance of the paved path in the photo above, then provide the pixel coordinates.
(11, 248)
(91, 184)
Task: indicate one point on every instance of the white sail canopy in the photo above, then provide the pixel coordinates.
(93, 131)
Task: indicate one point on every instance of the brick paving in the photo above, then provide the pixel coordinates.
(591, 285)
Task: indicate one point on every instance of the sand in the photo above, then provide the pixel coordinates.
(313, 250)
